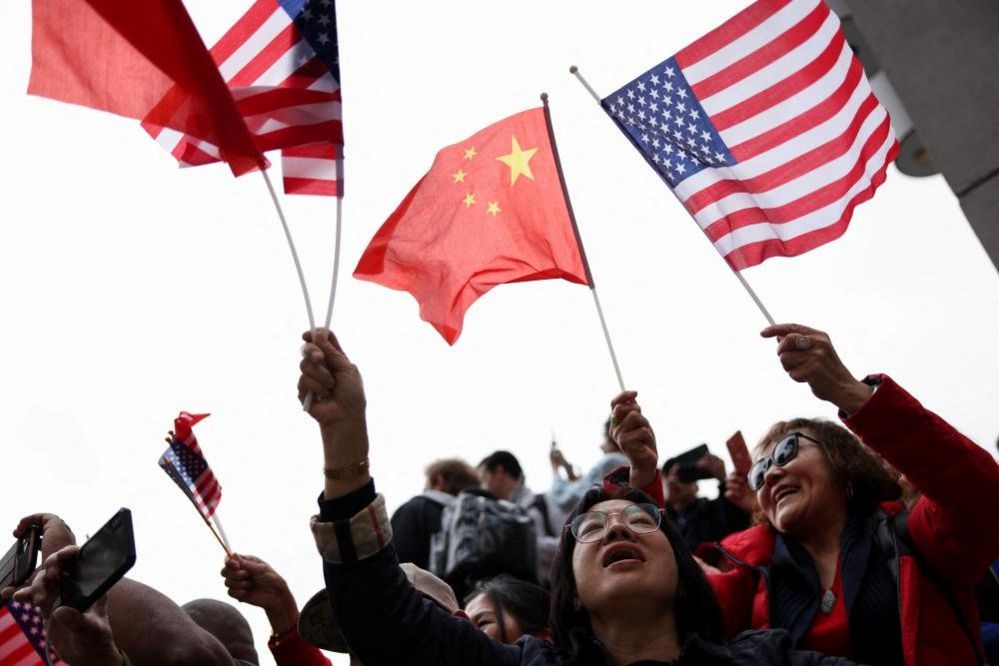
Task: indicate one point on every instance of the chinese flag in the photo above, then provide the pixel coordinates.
(491, 210)
(125, 57)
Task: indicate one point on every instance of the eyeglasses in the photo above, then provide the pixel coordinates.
(592, 526)
(783, 453)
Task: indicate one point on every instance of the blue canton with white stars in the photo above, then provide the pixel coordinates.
(29, 619)
(190, 465)
(661, 116)
(316, 20)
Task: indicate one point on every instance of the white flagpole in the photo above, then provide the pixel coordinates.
(752, 294)
(582, 250)
(294, 252)
(218, 524)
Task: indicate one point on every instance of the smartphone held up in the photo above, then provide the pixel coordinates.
(100, 563)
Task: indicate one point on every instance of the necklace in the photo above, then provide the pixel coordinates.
(828, 601)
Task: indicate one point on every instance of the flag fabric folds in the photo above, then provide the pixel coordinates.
(491, 210)
(22, 635)
(124, 57)
(765, 128)
(280, 60)
(185, 463)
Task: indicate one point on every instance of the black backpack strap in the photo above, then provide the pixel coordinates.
(900, 524)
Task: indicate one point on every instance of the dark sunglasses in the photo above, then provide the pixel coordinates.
(783, 453)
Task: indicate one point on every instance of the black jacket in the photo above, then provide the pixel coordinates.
(413, 524)
(386, 621)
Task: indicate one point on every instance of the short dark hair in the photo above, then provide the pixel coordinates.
(696, 608)
(526, 602)
(454, 472)
(503, 459)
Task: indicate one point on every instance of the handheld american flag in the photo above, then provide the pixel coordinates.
(22, 635)
(280, 60)
(184, 462)
(765, 128)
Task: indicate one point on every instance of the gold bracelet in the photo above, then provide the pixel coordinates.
(347, 472)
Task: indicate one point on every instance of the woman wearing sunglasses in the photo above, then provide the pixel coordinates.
(836, 560)
(626, 589)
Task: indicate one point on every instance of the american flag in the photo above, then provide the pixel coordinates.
(184, 462)
(280, 60)
(22, 635)
(765, 128)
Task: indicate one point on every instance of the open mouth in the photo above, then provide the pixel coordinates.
(621, 553)
(783, 492)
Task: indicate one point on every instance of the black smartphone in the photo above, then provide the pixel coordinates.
(99, 564)
(22, 558)
(687, 469)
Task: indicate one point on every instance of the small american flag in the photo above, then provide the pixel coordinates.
(281, 62)
(184, 462)
(22, 635)
(765, 128)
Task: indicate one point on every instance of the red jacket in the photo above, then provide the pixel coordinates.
(951, 526)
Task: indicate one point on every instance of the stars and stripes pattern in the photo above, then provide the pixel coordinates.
(185, 463)
(765, 128)
(281, 63)
(22, 635)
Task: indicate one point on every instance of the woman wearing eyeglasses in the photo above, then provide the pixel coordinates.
(626, 589)
(836, 560)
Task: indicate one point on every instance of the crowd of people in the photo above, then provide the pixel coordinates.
(866, 541)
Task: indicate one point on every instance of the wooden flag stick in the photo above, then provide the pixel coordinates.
(224, 544)
(752, 294)
(224, 539)
(579, 241)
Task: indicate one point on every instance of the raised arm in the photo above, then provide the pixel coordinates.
(382, 616)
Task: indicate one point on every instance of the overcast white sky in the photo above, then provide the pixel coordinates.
(132, 290)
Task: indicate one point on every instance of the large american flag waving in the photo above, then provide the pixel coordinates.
(765, 128)
(281, 62)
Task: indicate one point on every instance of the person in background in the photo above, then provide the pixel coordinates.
(251, 580)
(226, 624)
(319, 627)
(132, 623)
(626, 586)
(565, 493)
(501, 474)
(506, 608)
(838, 561)
(699, 519)
(416, 521)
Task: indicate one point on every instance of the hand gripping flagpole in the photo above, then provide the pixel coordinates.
(579, 241)
(752, 294)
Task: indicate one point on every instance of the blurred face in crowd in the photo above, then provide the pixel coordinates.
(494, 622)
(498, 482)
(624, 568)
(678, 493)
(802, 496)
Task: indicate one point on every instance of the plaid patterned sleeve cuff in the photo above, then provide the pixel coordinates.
(362, 536)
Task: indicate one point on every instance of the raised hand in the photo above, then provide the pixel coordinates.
(253, 581)
(738, 493)
(55, 536)
(808, 356)
(78, 638)
(632, 432)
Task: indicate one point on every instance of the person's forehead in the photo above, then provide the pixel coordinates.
(479, 605)
(609, 506)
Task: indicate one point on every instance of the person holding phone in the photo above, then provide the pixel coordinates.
(838, 561)
(131, 621)
(699, 519)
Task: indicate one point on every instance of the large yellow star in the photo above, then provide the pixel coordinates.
(469, 200)
(518, 161)
(494, 208)
(459, 177)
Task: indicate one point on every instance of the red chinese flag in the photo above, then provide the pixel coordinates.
(125, 57)
(491, 210)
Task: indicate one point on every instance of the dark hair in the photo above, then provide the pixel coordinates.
(695, 607)
(868, 477)
(525, 602)
(503, 459)
(455, 472)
